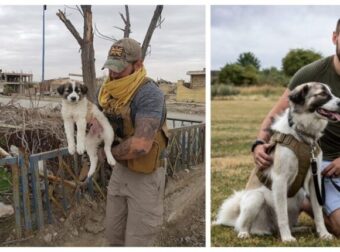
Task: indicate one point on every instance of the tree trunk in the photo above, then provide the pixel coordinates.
(87, 54)
(152, 27)
(86, 46)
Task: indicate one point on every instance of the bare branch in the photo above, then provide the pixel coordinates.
(127, 23)
(122, 16)
(152, 27)
(69, 7)
(119, 28)
(160, 22)
(80, 11)
(70, 27)
(102, 36)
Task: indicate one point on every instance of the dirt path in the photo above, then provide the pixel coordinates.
(184, 219)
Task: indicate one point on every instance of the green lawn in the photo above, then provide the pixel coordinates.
(235, 124)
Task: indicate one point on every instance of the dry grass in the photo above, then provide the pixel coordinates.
(234, 128)
(265, 90)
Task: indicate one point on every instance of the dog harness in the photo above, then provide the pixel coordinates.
(303, 153)
(123, 125)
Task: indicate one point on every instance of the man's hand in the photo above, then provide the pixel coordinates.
(333, 169)
(95, 127)
(261, 158)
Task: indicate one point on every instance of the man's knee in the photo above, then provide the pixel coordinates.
(334, 222)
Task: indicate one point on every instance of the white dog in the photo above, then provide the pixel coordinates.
(260, 210)
(76, 109)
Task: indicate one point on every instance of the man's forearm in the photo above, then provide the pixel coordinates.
(141, 142)
(129, 149)
(265, 132)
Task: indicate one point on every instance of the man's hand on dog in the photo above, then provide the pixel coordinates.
(95, 127)
(261, 158)
(333, 169)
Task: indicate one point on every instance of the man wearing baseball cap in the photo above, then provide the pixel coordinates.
(135, 106)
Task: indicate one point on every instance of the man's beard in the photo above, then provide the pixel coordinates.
(337, 50)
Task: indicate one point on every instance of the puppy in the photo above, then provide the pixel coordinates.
(260, 209)
(76, 109)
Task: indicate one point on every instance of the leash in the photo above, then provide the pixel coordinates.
(320, 194)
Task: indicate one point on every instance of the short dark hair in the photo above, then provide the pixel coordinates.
(337, 29)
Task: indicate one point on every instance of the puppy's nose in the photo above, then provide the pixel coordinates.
(73, 98)
(338, 104)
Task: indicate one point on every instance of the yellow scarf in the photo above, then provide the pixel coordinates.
(117, 93)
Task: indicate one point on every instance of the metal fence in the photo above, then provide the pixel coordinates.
(38, 195)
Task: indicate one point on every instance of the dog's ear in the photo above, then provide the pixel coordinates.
(298, 96)
(61, 89)
(83, 89)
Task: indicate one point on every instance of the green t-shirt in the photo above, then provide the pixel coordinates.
(323, 71)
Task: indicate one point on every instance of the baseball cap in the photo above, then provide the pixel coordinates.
(121, 53)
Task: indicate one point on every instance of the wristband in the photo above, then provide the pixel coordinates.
(256, 143)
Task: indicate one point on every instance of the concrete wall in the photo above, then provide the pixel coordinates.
(197, 81)
(185, 94)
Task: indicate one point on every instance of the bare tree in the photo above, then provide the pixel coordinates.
(86, 42)
(86, 47)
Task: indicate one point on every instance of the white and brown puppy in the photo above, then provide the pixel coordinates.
(259, 210)
(76, 109)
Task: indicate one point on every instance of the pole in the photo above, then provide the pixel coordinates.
(43, 47)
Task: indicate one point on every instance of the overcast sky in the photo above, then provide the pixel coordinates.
(178, 47)
(270, 32)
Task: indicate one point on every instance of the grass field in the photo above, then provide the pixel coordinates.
(235, 123)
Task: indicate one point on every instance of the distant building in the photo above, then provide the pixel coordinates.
(49, 87)
(14, 82)
(197, 78)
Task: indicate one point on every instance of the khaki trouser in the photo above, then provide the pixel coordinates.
(134, 208)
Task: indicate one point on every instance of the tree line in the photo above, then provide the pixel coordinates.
(247, 69)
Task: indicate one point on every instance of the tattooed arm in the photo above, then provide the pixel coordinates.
(141, 142)
(261, 158)
(265, 132)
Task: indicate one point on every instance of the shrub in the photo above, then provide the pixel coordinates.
(223, 90)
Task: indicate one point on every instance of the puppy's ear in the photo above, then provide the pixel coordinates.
(61, 89)
(298, 96)
(83, 89)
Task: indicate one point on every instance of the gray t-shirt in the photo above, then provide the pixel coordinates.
(149, 101)
(323, 71)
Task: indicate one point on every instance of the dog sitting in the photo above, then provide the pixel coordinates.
(76, 109)
(262, 209)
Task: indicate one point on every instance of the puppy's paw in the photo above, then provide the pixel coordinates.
(71, 149)
(288, 239)
(80, 149)
(111, 161)
(326, 236)
(243, 235)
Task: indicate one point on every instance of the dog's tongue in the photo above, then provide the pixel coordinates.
(330, 114)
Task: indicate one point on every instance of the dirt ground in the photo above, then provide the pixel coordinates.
(184, 218)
